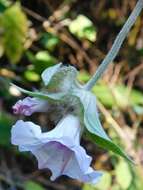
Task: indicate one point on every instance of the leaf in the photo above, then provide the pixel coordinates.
(3, 5)
(136, 97)
(91, 117)
(31, 185)
(15, 26)
(42, 95)
(42, 60)
(116, 187)
(105, 181)
(49, 73)
(59, 78)
(123, 174)
(103, 93)
(5, 127)
(49, 41)
(31, 76)
(119, 96)
(124, 98)
(93, 125)
(88, 187)
(103, 184)
(82, 27)
(83, 76)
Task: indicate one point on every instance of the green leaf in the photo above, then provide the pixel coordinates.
(103, 93)
(49, 41)
(31, 76)
(15, 25)
(105, 181)
(116, 187)
(83, 76)
(42, 95)
(118, 96)
(93, 125)
(103, 184)
(82, 27)
(123, 174)
(88, 187)
(41, 61)
(5, 127)
(31, 185)
(3, 5)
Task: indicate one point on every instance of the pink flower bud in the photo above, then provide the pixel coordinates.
(29, 105)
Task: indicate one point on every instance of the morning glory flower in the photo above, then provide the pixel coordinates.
(59, 149)
(68, 104)
(61, 86)
(29, 105)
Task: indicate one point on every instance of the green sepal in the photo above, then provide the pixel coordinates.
(93, 125)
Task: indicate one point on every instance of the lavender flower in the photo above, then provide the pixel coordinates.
(59, 149)
(29, 105)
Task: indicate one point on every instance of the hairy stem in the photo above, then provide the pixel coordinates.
(116, 45)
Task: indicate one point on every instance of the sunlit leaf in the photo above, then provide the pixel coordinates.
(123, 174)
(104, 94)
(49, 41)
(116, 187)
(31, 76)
(14, 25)
(118, 96)
(42, 60)
(88, 187)
(3, 5)
(83, 76)
(31, 185)
(103, 184)
(105, 181)
(83, 27)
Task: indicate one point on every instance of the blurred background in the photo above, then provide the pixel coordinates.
(36, 34)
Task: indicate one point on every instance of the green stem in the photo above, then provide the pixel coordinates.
(116, 45)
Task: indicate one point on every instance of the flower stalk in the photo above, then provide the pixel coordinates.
(116, 45)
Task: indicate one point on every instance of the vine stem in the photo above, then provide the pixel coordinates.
(116, 45)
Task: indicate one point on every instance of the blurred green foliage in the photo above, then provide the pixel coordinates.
(5, 126)
(83, 28)
(14, 26)
(29, 185)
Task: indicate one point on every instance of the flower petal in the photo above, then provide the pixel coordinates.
(25, 134)
(59, 150)
(74, 169)
(54, 156)
(62, 160)
(67, 131)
